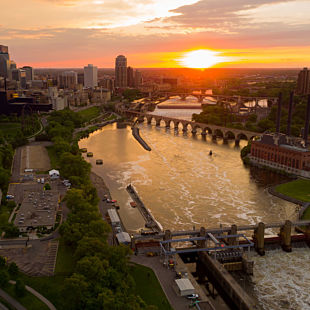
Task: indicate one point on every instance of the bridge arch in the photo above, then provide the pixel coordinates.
(185, 126)
(229, 134)
(167, 122)
(176, 124)
(242, 136)
(218, 133)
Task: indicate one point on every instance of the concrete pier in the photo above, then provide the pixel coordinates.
(259, 238)
(285, 235)
(217, 272)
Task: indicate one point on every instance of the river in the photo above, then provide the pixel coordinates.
(184, 187)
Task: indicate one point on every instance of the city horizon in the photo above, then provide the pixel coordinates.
(157, 34)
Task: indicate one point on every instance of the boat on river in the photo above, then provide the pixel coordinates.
(90, 154)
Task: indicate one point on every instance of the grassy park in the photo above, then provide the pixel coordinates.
(10, 128)
(29, 301)
(89, 114)
(148, 287)
(298, 189)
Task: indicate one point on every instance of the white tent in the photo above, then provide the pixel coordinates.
(115, 221)
(54, 174)
(185, 286)
(123, 237)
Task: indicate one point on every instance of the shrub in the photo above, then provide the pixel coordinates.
(20, 288)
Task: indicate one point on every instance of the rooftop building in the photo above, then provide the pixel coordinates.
(90, 76)
(303, 82)
(121, 71)
(282, 151)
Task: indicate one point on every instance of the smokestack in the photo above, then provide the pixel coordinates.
(290, 111)
(306, 131)
(279, 113)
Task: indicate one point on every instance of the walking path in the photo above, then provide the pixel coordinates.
(38, 295)
(3, 307)
(11, 300)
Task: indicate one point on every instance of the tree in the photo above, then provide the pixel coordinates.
(11, 231)
(13, 269)
(47, 187)
(74, 165)
(2, 262)
(92, 268)
(4, 278)
(20, 288)
(75, 292)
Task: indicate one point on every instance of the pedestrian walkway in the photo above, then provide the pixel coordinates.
(38, 295)
(3, 307)
(11, 300)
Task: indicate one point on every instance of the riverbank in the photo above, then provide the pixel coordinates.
(297, 192)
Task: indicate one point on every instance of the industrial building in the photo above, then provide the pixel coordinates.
(282, 151)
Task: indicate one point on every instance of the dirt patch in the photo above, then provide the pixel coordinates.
(34, 157)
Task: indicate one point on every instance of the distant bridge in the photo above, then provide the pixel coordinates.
(215, 131)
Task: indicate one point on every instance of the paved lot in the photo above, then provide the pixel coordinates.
(34, 157)
(38, 259)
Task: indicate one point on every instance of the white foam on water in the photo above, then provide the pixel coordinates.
(282, 280)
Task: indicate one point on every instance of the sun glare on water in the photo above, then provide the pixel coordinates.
(200, 59)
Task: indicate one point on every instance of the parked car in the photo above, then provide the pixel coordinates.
(192, 296)
(9, 197)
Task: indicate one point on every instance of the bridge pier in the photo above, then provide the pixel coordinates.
(285, 235)
(259, 239)
(184, 128)
(225, 140)
(167, 124)
(214, 137)
(158, 123)
(167, 236)
(133, 243)
(237, 142)
(233, 231)
(149, 121)
(204, 132)
(194, 131)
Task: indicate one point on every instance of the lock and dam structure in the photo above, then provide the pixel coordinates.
(221, 250)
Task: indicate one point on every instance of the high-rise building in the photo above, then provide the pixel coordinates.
(29, 73)
(23, 78)
(108, 84)
(121, 71)
(138, 78)
(90, 76)
(130, 78)
(4, 61)
(67, 79)
(80, 78)
(303, 82)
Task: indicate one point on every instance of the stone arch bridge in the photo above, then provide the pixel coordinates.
(194, 127)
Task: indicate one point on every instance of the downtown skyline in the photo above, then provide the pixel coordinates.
(157, 34)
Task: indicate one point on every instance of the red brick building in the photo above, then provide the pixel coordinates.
(281, 152)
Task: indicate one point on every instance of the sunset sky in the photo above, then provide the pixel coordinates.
(156, 33)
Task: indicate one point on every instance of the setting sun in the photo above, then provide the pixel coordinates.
(201, 59)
